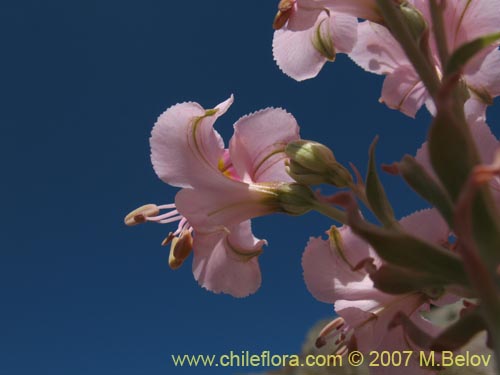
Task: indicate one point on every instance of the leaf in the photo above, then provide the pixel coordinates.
(459, 333)
(402, 249)
(466, 52)
(375, 192)
(426, 186)
(398, 280)
(451, 150)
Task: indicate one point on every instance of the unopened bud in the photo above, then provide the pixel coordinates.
(312, 163)
(303, 175)
(180, 248)
(415, 20)
(295, 199)
(322, 40)
(140, 214)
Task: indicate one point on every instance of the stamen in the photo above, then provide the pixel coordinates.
(164, 216)
(171, 220)
(342, 350)
(168, 239)
(166, 206)
(140, 214)
(332, 330)
(180, 249)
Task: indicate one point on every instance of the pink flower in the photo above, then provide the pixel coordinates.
(309, 33)
(366, 313)
(378, 52)
(221, 189)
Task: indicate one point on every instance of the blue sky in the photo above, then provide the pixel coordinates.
(82, 83)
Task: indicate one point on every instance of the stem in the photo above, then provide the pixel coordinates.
(439, 31)
(330, 211)
(400, 31)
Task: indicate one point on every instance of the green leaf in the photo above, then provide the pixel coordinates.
(402, 249)
(459, 333)
(467, 51)
(375, 192)
(426, 186)
(452, 151)
(399, 280)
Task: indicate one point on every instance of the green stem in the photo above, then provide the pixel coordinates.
(399, 29)
(439, 31)
(330, 211)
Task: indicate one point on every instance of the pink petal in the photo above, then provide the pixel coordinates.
(223, 203)
(376, 50)
(366, 9)
(427, 225)
(371, 318)
(344, 31)
(487, 143)
(328, 274)
(218, 268)
(467, 20)
(185, 149)
(258, 144)
(486, 80)
(295, 54)
(396, 340)
(403, 90)
(475, 109)
(304, 16)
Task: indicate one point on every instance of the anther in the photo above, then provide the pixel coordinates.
(180, 249)
(139, 215)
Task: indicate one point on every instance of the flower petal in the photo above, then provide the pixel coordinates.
(427, 225)
(328, 270)
(258, 144)
(366, 9)
(224, 204)
(304, 15)
(467, 20)
(295, 54)
(371, 318)
(403, 90)
(185, 149)
(227, 262)
(475, 109)
(376, 50)
(485, 82)
(344, 31)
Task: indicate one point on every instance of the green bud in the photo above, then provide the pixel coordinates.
(415, 20)
(312, 163)
(303, 175)
(295, 199)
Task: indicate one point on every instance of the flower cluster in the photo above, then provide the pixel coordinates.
(381, 278)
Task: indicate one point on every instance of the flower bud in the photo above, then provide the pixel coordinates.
(295, 199)
(302, 175)
(415, 20)
(312, 163)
